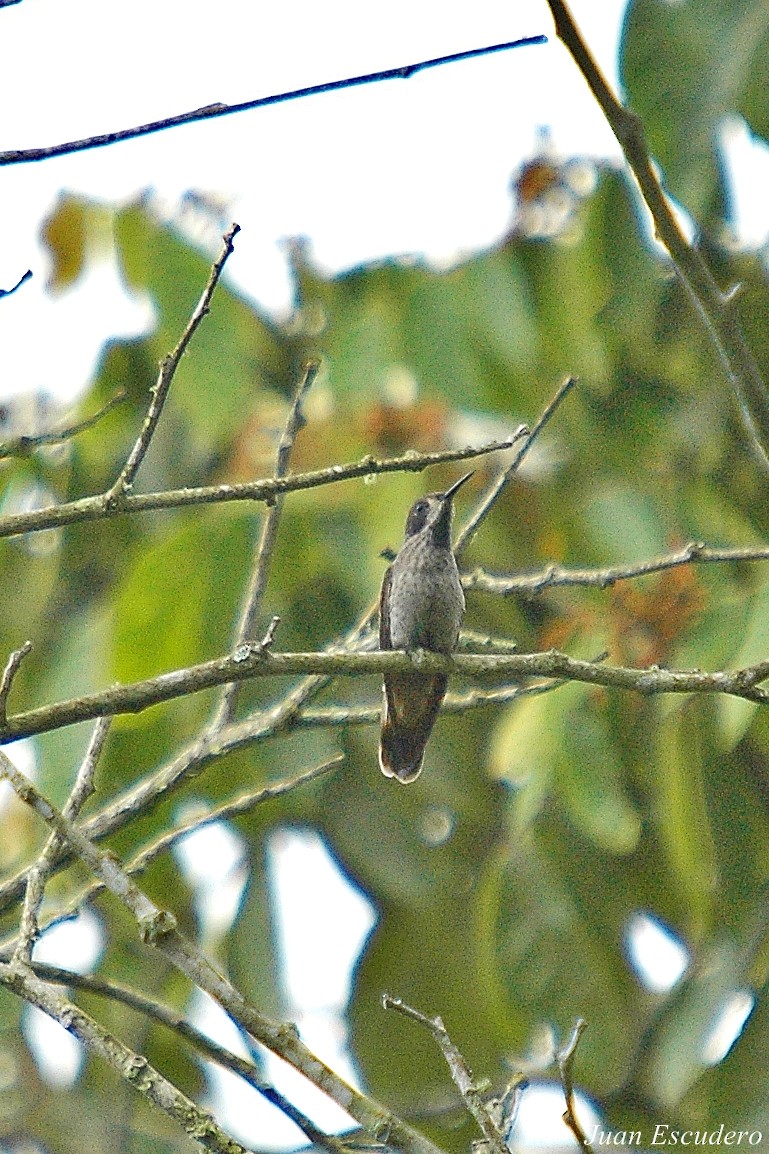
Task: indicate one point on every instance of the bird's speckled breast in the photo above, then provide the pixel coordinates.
(426, 602)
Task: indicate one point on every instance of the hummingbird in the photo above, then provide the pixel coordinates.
(421, 607)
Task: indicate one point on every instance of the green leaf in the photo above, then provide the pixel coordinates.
(685, 67)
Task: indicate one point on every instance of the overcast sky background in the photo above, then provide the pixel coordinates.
(420, 166)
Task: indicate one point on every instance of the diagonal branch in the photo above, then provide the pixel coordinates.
(24, 444)
(211, 111)
(134, 1068)
(565, 1059)
(716, 309)
(158, 929)
(207, 1048)
(29, 929)
(158, 786)
(138, 802)
(460, 1073)
(469, 530)
(27, 275)
(252, 603)
(12, 666)
(168, 366)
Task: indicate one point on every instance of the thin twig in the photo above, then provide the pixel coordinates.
(134, 1068)
(208, 1049)
(29, 929)
(209, 111)
(557, 575)
(252, 602)
(9, 672)
(716, 310)
(168, 367)
(23, 445)
(496, 490)
(158, 929)
(97, 508)
(245, 803)
(565, 1058)
(460, 1073)
(27, 275)
(142, 858)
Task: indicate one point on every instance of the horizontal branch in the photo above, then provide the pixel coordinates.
(212, 111)
(104, 505)
(557, 575)
(251, 661)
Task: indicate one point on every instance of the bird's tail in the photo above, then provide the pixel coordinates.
(411, 704)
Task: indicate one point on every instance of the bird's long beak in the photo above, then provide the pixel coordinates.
(458, 484)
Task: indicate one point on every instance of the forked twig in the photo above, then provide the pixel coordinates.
(460, 1072)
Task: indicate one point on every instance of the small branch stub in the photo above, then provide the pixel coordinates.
(565, 1059)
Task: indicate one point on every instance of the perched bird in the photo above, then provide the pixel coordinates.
(421, 607)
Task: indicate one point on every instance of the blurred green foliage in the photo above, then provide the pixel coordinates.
(564, 815)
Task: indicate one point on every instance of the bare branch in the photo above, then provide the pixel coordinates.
(254, 661)
(287, 715)
(132, 1067)
(210, 111)
(460, 1073)
(168, 367)
(25, 444)
(565, 1058)
(243, 804)
(469, 530)
(172, 1020)
(158, 929)
(29, 929)
(144, 857)
(97, 508)
(268, 538)
(9, 672)
(556, 575)
(715, 309)
(28, 274)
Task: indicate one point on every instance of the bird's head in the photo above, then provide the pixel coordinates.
(433, 513)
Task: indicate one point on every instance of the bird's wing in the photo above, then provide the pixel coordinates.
(384, 611)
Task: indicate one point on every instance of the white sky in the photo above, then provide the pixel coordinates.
(418, 166)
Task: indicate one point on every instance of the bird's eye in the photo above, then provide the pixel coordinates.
(420, 507)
